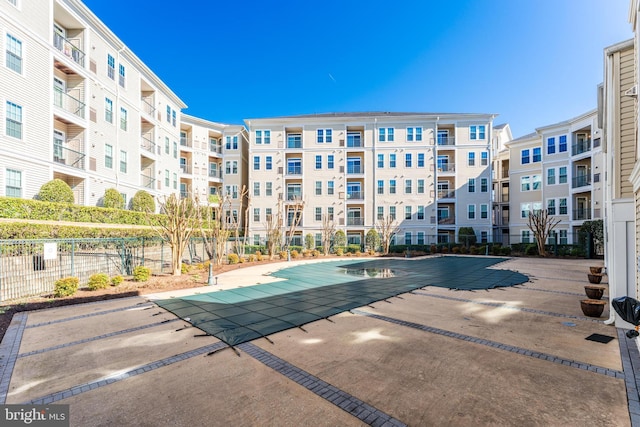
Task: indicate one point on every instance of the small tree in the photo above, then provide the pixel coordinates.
(467, 236)
(596, 228)
(214, 229)
(143, 202)
(294, 216)
(339, 239)
(273, 227)
(372, 240)
(309, 241)
(56, 191)
(112, 199)
(328, 232)
(386, 227)
(541, 225)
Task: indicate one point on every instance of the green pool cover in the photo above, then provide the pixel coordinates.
(316, 291)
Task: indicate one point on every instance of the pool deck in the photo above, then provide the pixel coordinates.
(505, 356)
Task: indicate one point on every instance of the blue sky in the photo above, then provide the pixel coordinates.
(532, 62)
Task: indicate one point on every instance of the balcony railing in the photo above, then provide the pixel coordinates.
(148, 107)
(446, 194)
(294, 197)
(185, 168)
(147, 181)
(581, 214)
(355, 169)
(581, 147)
(294, 170)
(215, 174)
(354, 143)
(68, 157)
(581, 181)
(446, 140)
(504, 198)
(147, 144)
(447, 167)
(68, 103)
(185, 141)
(215, 148)
(446, 220)
(355, 221)
(294, 144)
(355, 195)
(68, 48)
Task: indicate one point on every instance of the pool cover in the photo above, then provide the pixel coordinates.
(316, 291)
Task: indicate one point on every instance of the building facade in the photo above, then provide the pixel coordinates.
(429, 172)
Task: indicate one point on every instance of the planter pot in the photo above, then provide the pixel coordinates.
(594, 278)
(593, 291)
(595, 270)
(592, 307)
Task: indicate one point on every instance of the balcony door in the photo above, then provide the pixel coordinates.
(354, 216)
(443, 137)
(58, 146)
(443, 163)
(59, 90)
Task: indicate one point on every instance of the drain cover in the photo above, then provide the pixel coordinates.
(604, 339)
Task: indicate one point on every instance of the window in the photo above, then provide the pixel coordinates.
(551, 145)
(256, 214)
(121, 74)
(392, 160)
(471, 211)
(525, 183)
(167, 178)
(268, 163)
(175, 150)
(476, 132)
(108, 156)
(562, 175)
(385, 134)
(484, 158)
(420, 238)
(330, 187)
(14, 54)
(173, 119)
(168, 114)
(380, 161)
(484, 185)
(318, 188)
(414, 134)
(551, 206)
(330, 213)
(471, 187)
(408, 186)
(537, 155)
(294, 166)
(420, 212)
(232, 143)
(563, 237)
(167, 145)
(268, 190)
(551, 176)
(13, 183)
(408, 160)
(175, 181)
(407, 212)
(563, 206)
(318, 162)
(525, 208)
(123, 161)
(108, 110)
(562, 144)
(420, 160)
(471, 159)
(537, 182)
(392, 186)
(234, 167)
(256, 163)
(263, 136)
(318, 214)
(380, 186)
(14, 120)
(123, 118)
(330, 161)
(324, 135)
(526, 236)
(380, 214)
(256, 189)
(421, 186)
(111, 67)
(525, 157)
(392, 212)
(484, 211)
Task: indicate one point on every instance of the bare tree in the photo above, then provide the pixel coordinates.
(328, 230)
(541, 225)
(214, 229)
(240, 239)
(294, 216)
(176, 226)
(273, 227)
(386, 227)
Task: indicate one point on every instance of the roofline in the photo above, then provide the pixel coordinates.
(375, 116)
(623, 45)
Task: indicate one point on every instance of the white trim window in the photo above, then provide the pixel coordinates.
(484, 211)
(414, 134)
(525, 208)
(551, 206)
(13, 121)
(551, 176)
(324, 136)
(471, 211)
(13, 184)
(121, 75)
(477, 132)
(14, 54)
(263, 136)
(525, 183)
(123, 161)
(108, 110)
(471, 185)
(551, 145)
(123, 118)
(471, 158)
(537, 182)
(111, 67)
(385, 134)
(525, 157)
(526, 236)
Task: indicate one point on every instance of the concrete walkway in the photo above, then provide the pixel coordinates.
(507, 356)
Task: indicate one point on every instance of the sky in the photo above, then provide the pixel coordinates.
(533, 63)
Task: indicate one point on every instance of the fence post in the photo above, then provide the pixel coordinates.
(73, 253)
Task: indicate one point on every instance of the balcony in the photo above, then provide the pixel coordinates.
(447, 220)
(446, 140)
(355, 221)
(148, 145)
(447, 167)
(581, 214)
(294, 170)
(355, 169)
(186, 142)
(215, 174)
(215, 148)
(68, 103)
(355, 195)
(446, 194)
(147, 181)
(68, 157)
(185, 169)
(147, 107)
(581, 147)
(354, 143)
(581, 181)
(69, 48)
(294, 197)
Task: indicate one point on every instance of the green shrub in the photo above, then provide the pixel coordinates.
(315, 253)
(339, 238)
(141, 273)
(233, 259)
(22, 231)
(98, 281)
(66, 287)
(283, 254)
(505, 250)
(184, 268)
(56, 191)
(252, 258)
(143, 202)
(467, 236)
(433, 249)
(309, 241)
(531, 250)
(116, 280)
(295, 254)
(112, 199)
(456, 250)
(339, 252)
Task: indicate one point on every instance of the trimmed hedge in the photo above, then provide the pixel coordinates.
(25, 231)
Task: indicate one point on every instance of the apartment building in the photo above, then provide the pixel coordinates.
(500, 181)
(78, 105)
(558, 167)
(213, 161)
(429, 172)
